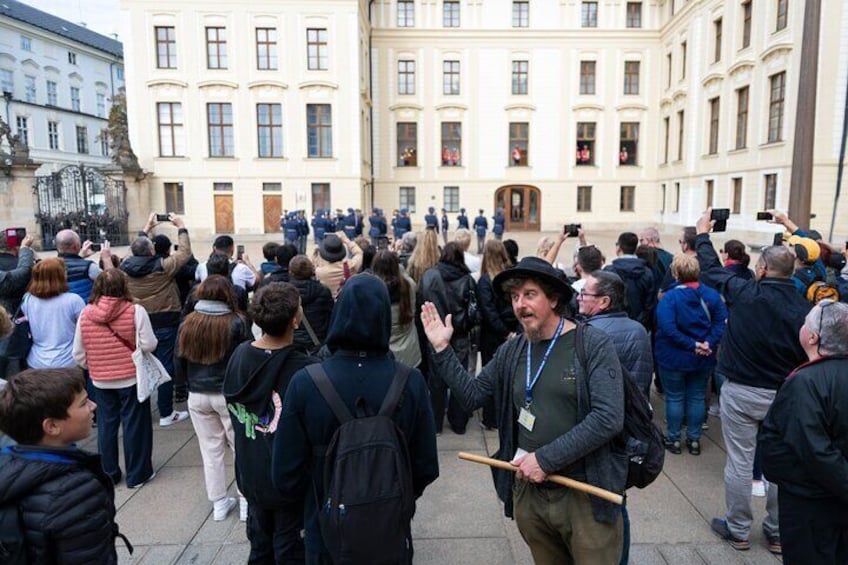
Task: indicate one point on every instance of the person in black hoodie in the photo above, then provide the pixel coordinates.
(254, 386)
(65, 501)
(360, 366)
(450, 287)
(317, 304)
(640, 292)
(285, 253)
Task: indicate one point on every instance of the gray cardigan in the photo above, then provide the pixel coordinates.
(600, 404)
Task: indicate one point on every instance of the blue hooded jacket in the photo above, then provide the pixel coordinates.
(361, 366)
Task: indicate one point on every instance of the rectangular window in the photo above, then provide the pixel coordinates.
(589, 14)
(451, 199)
(585, 143)
(451, 144)
(103, 138)
(272, 187)
(518, 143)
(82, 139)
(634, 14)
(216, 48)
(627, 199)
(320, 196)
(584, 198)
(407, 144)
(663, 198)
(407, 198)
(736, 208)
(23, 129)
(676, 197)
(220, 120)
(53, 135)
(519, 76)
(266, 48)
(666, 134)
(101, 105)
(782, 14)
(26, 43)
(681, 118)
(319, 130)
(119, 72)
(631, 77)
(587, 77)
(171, 142)
(406, 77)
(715, 111)
(742, 117)
(222, 187)
(29, 87)
(7, 80)
(770, 200)
(520, 13)
(269, 127)
(166, 47)
(669, 69)
(450, 77)
(72, 58)
(710, 189)
(747, 12)
(717, 30)
(451, 13)
(683, 52)
(316, 49)
(52, 93)
(405, 13)
(629, 146)
(75, 99)
(174, 198)
(777, 89)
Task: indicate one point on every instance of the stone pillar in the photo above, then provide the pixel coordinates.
(19, 201)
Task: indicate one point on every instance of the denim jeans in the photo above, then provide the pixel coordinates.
(120, 407)
(684, 388)
(167, 337)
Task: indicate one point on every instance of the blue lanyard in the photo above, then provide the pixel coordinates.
(528, 387)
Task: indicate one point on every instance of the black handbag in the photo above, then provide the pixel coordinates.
(20, 342)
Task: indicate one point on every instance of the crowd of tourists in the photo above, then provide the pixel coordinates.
(331, 375)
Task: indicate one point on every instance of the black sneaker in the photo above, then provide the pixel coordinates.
(673, 446)
(719, 526)
(694, 447)
(773, 544)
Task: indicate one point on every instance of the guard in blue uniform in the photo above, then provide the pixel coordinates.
(359, 221)
(481, 226)
(462, 219)
(302, 231)
(431, 221)
(499, 224)
(445, 226)
(403, 224)
(349, 224)
(319, 226)
(291, 228)
(283, 218)
(378, 226)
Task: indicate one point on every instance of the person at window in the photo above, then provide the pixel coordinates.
(516, 156)
(446, 155)
(623, 156)
(454, 157)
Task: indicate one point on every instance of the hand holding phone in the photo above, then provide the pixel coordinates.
(95, 247)
(239, 252)
(764, 216)
(720, 217)
(163, 217)
(571, 230)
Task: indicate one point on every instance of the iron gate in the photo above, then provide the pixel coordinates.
(85, 200)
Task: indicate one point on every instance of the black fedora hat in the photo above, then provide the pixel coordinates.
(332, 249)
(540, 270)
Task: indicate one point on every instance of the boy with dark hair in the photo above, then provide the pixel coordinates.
(269, 251)
(65, 501)
(640, 292)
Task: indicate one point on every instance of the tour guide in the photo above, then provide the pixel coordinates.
(554, 416)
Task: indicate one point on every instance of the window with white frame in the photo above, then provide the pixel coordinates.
(519, 76)
(76, 105)
(7, 80)
(520, 13)
(30, 91)
(406, 13)
(53, 135)
(266, 48)
(316, 49)
(82, 139)
(171, 140)
(319, 131)
(450, 77)
(407, 198)
(777, 96)
(450, 200)
(26, 43)
(52, 93)
(269, 122)
(23, 129)
(589, 14)
(101, 105)
(451, 13)
(220, 129)
(216, 48)
(406, 77)
(166, 47)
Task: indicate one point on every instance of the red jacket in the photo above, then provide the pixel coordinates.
(109, 358)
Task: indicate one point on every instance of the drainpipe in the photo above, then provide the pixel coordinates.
(841, 166)
(371, 107)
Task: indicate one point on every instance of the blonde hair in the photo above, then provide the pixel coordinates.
(544, 246)
(424, 256)
(495, 258)
(685, 268)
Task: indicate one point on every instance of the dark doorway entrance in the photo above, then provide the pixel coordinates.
(522, 206)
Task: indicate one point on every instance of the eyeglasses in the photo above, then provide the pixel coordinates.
(583, 294)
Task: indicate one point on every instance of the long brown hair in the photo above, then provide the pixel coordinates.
(206, 339)
(385, 266)
(424, 256)
(111, 282)
(495, 258)
(49, 278)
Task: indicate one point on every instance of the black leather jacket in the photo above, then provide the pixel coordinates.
(208, 379)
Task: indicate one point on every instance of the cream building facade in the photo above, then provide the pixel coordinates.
(558, 111)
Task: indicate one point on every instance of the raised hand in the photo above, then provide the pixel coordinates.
(438, 333)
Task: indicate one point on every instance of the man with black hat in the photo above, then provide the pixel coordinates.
(332, 266)
(554, 416)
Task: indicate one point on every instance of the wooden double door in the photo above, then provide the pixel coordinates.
(522, 206)
(272, 208)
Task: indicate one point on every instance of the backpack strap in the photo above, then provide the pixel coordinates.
(328, 391)
(396, 389)
(703, 304)
(308, 327)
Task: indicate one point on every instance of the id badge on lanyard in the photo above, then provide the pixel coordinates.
(525, 417)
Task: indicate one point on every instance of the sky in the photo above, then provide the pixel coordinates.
(101, 16)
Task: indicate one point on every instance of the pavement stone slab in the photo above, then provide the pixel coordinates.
(151, 555)
(233, 554)
(661, 513)
(646, 554)
(474, 551)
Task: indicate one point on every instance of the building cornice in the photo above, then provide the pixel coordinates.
(218, 83)
(775, 49)
(405, 106)
(265, 82)
(520, 106)
(166, 82)
(319, 84)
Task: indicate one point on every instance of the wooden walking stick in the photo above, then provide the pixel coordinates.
(558, 479)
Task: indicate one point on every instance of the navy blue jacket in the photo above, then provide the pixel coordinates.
(445, 223)
(378, 226)
(499, 224)
(360, 366)
(640, 293)
(481, 225)
(681, 321)
(77, 269)
(320, 225)
(462, 221)
(432, 222)
(402, 225)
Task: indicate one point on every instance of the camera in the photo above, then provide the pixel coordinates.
(95, 247)
(764, 216)
(15, 236)
(239, 252)
(571, 229)
(720, 216)
(163, 218)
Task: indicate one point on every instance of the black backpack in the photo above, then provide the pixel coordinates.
(368, 495)
(642, 438)
(12, 543)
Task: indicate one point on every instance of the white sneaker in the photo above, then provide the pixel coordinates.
(242, 509)
(176, 416)
(758, 488)
(142, 483)
(222, 507)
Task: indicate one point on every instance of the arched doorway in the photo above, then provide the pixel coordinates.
(522, 206)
